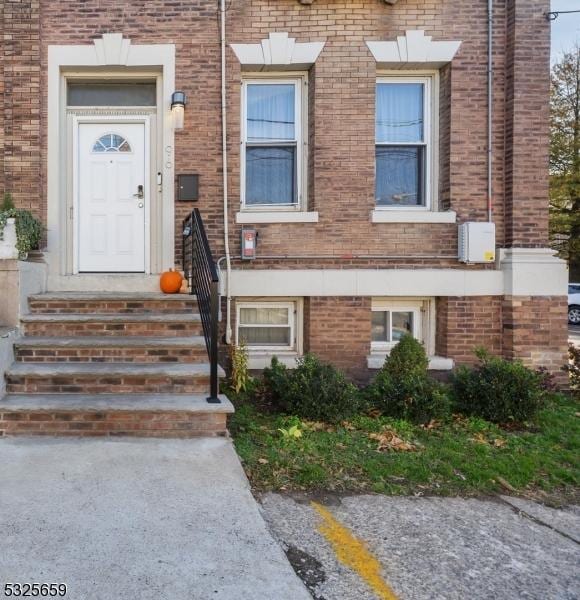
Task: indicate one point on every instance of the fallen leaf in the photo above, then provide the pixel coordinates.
(479, 438)
(263, 461)
(388, 440)
(433, 424)
(499, 443)
(348, 426)
(505, 484)
(317, 426)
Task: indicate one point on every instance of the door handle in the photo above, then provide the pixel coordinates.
(139, 193)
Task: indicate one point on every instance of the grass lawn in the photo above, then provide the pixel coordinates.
(458, 457)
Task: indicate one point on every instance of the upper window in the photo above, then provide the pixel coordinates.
(271, 143)
(111, 142)
(403, 142)
(267, 326)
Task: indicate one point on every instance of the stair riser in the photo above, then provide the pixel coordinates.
(113, 423)
(185, 306)
(73, 328)
(69, 354)
(106, 384)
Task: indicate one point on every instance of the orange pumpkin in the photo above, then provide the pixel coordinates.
(170, 282)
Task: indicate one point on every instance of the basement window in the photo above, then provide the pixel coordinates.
(391, 318)
(270, 329)
(266, 326)
(390, 321)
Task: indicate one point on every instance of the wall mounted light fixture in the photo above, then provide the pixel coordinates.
(178, 102)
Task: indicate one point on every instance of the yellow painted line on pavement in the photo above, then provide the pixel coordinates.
(353, 553)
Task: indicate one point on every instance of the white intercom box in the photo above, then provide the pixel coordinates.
(477, 242)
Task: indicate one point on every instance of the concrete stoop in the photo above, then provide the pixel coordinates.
(111, 364)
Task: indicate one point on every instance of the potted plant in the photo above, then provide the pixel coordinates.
(28, 227)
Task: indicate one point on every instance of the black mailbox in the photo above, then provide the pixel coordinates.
(187, 188)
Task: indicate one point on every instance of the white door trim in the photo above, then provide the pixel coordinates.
(139, 119)
(90, 59)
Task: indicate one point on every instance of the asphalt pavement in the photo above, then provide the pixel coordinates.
(367, 547)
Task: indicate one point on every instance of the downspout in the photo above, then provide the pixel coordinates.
(225, 170)
(489, 109)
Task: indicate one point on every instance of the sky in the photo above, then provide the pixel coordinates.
(566, 28)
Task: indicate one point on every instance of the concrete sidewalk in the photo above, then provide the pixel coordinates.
(429, 548)
(136, 519)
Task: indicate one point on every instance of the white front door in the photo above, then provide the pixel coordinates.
(111, 187)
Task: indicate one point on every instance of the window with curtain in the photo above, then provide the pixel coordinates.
(402, 142)
(266, 325)
(271, 142)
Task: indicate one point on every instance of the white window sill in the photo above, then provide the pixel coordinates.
(436, 363)
(274, 216)
(412, 216)
(261, 360)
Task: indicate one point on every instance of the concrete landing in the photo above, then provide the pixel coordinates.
(137, 519)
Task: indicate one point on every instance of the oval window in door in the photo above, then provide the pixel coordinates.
(111, 142)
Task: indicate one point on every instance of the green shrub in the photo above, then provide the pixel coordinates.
(498, 390)
(403, 389)
(28, 228)
(275, 382)
(240, 378)
(573, 367)
(314, 390)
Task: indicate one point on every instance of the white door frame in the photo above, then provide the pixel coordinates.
(111, 55)
(138, 119)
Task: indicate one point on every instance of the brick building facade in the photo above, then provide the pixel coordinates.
(351, 251)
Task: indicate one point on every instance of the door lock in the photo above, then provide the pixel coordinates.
(139, 193)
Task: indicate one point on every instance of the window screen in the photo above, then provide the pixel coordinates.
(111, 94)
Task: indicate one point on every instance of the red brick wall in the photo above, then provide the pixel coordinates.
(533, 331)
(338, 329)
(527, 123)
(20, 166)
(341, 185)
(465, 323)
(341, 138)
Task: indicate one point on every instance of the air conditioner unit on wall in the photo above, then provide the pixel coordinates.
(476, 242)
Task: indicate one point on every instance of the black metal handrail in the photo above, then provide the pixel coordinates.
(202, 277)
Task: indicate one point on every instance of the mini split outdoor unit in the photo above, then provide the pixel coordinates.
(476, 242)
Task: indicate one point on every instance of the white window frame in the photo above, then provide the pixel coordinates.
(300, 82)
(291, 306)
(430, 81)
(398, 306)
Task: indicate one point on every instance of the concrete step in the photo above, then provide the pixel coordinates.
(144, 415)
(107, 378)
(66, 325)
(111, 303)
(125, 349)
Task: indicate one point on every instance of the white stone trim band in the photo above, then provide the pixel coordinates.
(520, 272)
